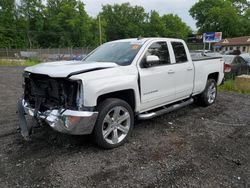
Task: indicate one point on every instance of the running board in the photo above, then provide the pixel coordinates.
(150, 115)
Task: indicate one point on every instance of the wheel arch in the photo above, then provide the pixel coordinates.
(214, 75)
(127, 95)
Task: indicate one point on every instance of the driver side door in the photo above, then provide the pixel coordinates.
(157, 80)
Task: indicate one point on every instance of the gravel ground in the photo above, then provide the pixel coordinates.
(192, 147)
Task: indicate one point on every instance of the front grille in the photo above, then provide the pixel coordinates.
(43, 92)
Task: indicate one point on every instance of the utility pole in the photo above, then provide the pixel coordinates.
(204, 42)
(100, 30)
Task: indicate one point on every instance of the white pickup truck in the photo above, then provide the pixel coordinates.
(116, 83)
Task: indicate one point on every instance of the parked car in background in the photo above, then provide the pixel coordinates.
(232, 52)
(238, 66)
(246, 57)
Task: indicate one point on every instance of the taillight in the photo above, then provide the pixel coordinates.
(227, 67)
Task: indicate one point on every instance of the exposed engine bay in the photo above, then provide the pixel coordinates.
(45, 93)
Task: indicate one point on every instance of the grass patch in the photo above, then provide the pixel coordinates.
(229, 85)
(24, 63)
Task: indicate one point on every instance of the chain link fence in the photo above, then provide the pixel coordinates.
(56, 54)
(49, 54)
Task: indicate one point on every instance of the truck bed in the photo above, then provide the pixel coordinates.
(201, 58)
(203, 67)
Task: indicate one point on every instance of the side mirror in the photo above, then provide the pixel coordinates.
(151, 60)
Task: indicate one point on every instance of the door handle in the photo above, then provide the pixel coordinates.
(170, 72)
(189, 68)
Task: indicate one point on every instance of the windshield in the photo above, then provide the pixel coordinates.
(121, 53)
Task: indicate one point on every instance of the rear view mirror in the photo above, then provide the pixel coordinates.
(151, 60)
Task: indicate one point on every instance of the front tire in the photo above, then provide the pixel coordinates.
(209, 95)
(114, 123)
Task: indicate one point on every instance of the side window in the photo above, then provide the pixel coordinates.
(238, 60)
(241, 60)
(159, 49)
(179, 52)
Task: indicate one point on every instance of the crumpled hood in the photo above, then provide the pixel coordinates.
(66, 68)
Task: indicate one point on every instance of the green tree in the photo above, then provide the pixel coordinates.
(9, 37)
(225, 20)
(32, 16)
(200, 10)
(123, 21)
(241, 5)
(220, 15)
(246, 21)
(66, 24)
(94, 30)
(175, 27)
(155, 26)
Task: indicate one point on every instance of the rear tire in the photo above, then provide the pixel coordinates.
(114, 123)
(209, 95)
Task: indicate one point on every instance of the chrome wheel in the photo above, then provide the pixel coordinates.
(211, 93)
(116, 125)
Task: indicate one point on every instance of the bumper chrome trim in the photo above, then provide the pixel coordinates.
(57, 119)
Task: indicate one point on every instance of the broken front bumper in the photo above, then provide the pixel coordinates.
(63, 120)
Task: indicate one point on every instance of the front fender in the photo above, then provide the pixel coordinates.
(106, 81)
(94, 89)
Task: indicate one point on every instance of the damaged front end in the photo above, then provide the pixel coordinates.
(57, 101)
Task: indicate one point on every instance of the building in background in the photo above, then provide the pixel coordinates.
(231, 44)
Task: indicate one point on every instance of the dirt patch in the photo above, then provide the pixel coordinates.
(194, 146)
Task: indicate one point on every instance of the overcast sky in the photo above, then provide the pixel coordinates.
(179, 7)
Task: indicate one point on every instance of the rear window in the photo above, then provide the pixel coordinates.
(179, 52)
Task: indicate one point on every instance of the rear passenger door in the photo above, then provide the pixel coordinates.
(184, 70)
